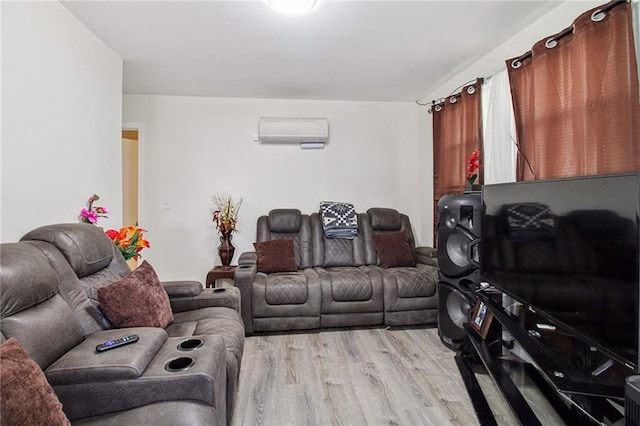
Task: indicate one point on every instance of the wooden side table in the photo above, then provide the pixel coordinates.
(218, 273)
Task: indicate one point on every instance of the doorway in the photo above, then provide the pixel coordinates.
(130, 180)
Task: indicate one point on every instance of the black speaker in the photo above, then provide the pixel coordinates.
(453, 313)
(459, 223)
(459, 265)
(632, 401)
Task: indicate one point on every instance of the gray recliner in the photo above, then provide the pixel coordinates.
(409, 292)
(85, 259)
(128, 385)
(283, 300)
(352, 293)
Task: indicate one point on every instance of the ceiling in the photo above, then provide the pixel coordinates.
(343, 50)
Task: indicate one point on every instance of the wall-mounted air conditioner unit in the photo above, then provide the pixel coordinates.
(308, 132)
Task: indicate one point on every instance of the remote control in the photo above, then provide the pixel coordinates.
(117, 342)
(219, 289)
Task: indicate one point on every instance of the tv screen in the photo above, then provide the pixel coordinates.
(569, 248)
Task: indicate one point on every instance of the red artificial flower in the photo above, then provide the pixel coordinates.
(473, 167)
(113, 234)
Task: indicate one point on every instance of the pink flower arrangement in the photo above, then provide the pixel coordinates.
(91, 214)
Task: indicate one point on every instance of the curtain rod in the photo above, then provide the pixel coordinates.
(597, 16)
(451, 95)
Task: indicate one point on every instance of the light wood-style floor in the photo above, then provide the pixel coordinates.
(371, 376)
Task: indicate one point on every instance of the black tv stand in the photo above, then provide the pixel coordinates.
(566, 378)
(466, 365)
(576, 395)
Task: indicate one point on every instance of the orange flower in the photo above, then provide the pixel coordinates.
(129, 241)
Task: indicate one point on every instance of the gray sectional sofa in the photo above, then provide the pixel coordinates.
(48, 286)
(336, 282)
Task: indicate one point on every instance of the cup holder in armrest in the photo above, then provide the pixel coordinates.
(191, 344)
(179, 364)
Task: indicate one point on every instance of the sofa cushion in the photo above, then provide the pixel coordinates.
(31, 310)
(86, 247)
(276, 256)
(393, 250)
(350, 284)
(415, 282)
(137, 300)
(383, 219)
(286, 289)
(22, 263)
(338, 252)
(285, 220)
(25, 395)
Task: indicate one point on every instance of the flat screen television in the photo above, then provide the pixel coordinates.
(569, 248)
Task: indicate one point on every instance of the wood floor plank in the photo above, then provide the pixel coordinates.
(368, 376)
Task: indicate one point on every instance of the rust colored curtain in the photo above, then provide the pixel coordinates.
(457, 132)
(575, 98)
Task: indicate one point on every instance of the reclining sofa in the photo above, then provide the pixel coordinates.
(186, 373)
(336, 281)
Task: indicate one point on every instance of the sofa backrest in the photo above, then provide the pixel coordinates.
(380, 220)
(84, 257)
(328, 252)
(313, 249)
(31, 308)
(288, 224)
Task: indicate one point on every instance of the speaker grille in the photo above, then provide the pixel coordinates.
(453, 313)
(458, 309)
(456, 250)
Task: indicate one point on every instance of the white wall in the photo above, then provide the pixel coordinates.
(555, 21)
(194, 147)
(61, 119)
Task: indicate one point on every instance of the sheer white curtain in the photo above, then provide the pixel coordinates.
(499, 131)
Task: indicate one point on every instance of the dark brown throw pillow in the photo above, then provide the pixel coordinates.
(26, 398)
(276, 256)
(137, 300)
(393, 250)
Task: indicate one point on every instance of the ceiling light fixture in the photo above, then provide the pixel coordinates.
(292, 7)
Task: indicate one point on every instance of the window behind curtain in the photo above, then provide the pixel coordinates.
(457, 132)
(576, 104)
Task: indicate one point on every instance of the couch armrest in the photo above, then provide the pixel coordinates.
(427, 256)
(248, 258)
(208, 298)
(244, 277)
(84, 364)
(182, 288)
(204, 381)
